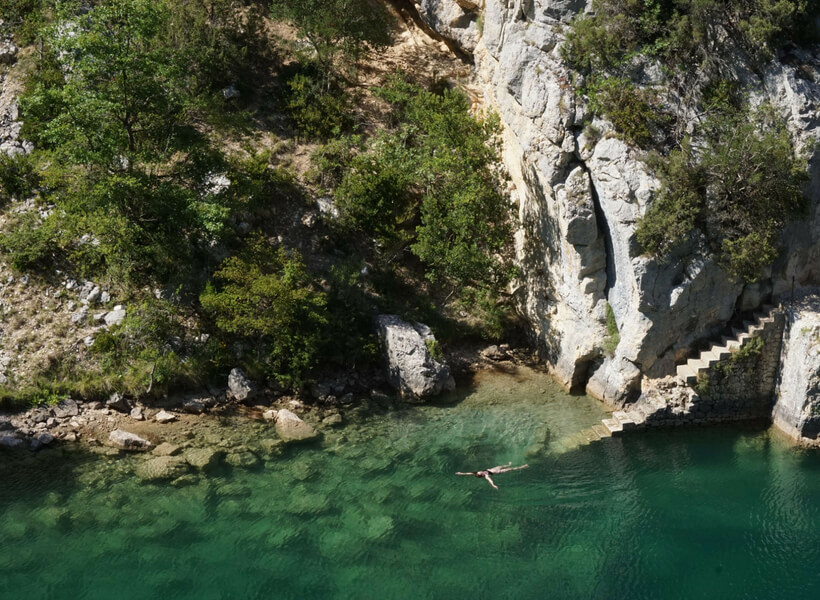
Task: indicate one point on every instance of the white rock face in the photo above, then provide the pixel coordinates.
(411, 368)
(454, 19)
(579, 196)
(797, 409)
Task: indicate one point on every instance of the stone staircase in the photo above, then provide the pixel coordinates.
(659, 413)
(694, 368)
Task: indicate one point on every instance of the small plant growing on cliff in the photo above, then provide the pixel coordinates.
(749, 351)
(433, 348)
(702, 385)
(613, 336)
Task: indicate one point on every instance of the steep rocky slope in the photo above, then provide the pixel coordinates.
(579, 198)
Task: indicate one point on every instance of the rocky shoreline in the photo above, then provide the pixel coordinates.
(239, 426)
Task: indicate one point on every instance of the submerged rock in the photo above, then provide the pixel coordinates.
(8, 440)
(166, 449)
(412, 369)
(162, 467)
(293, 429)
(202, 458)
(128, 441)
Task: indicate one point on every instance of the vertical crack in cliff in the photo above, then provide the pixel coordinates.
(605, 231)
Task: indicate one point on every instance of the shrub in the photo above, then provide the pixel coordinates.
(319, 111)
(18, 176)
(433, 182)
(630, 109)
(739, 192)
(613, 336)
(265, 297)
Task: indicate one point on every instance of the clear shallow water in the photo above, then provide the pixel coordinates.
(376, 512)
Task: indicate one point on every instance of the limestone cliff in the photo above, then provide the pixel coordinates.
(579, 197)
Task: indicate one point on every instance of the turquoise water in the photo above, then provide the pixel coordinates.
(375, 511)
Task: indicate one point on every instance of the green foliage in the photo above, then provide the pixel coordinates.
(330, 161)
(25, 17)
(629, 108)
(18, 177)
(144, 355)
(433, 348)
(32, 244)
(338, 31)
(750, 351)
(121, 141)
(348, 338)
(433, 182)
(703, 384)
(264, 296)
(319, 111)
(683, 34)
(613, 336)
(738, 192)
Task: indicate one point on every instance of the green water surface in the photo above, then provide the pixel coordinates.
(376, 511)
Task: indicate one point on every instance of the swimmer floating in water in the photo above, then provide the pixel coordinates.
(494, 471)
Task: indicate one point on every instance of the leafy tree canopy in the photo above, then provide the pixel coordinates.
(433, 182)
(738, 190)
(265, 296)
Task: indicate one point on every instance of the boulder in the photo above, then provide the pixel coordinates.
(119, 403)
(412, 370)
(40, 440)
(193, 406)
(203, 458)
(240, 388)
(293, 429)
(164, 416)
(128, 441)
(137, 414)
(162, 467)
(8, 53)
(66, 408)
(797, 407)
(115, 317)
(8, 440)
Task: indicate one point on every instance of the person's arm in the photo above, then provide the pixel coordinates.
(465, 473)
(490, 479)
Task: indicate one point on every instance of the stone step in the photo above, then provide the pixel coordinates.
(591, 435)
(709, 358)
(721, 352)
(627, 424)
(688, 374)
(638, 416)
(602, 431)
(696, 364)
(613, 426)
(730, 343)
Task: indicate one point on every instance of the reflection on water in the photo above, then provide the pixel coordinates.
(376, 512)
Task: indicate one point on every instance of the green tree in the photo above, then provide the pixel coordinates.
(116, 107)
(433, 183)
(339, 31)
(739, 191)
(265, 297)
